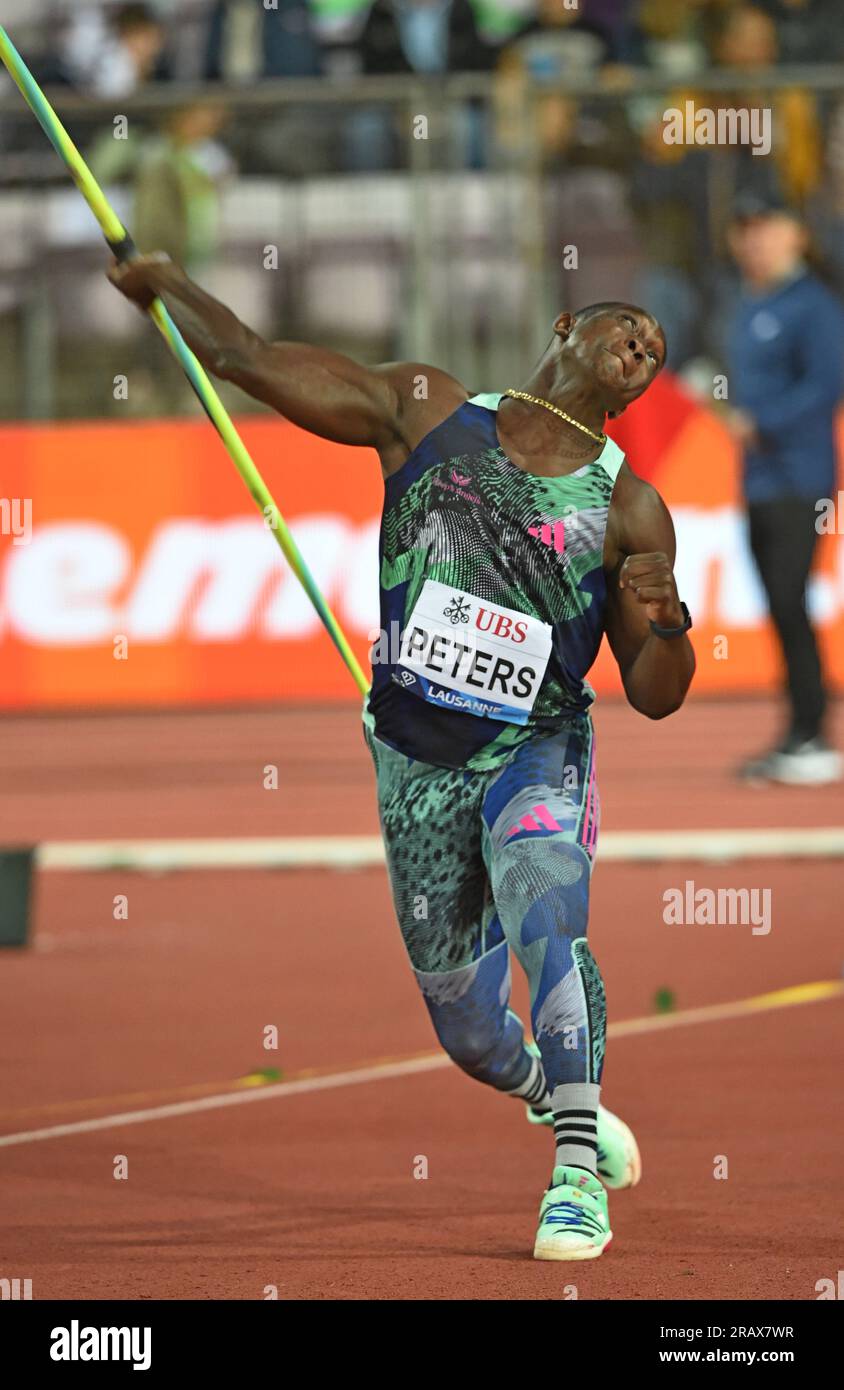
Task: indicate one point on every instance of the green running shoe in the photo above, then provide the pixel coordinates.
(574, 1222)
(619, 1160)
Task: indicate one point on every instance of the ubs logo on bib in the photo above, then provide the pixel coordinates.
(500, 625)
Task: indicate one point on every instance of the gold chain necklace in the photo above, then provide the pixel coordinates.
(537, 400)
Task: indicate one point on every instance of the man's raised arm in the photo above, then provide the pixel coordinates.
(322, 391)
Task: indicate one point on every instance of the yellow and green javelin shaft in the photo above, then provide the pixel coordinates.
(124, 249)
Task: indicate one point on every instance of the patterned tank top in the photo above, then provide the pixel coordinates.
(492, 595)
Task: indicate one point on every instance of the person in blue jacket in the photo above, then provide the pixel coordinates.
(786, 378)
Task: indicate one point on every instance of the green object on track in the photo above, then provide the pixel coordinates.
(262, 1077)
(664, 1001)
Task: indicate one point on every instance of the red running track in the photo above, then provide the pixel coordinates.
(314, 1193)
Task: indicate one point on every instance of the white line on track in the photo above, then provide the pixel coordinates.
(364, 851)
(383, 1071)
(386, 1071)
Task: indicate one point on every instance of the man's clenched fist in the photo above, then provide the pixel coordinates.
(651, 579)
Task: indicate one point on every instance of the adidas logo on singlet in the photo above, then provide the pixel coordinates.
(552, 534)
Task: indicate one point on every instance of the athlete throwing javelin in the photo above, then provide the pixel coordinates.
(513, 536)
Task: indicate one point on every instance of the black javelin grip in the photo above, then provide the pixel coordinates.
(124, 250)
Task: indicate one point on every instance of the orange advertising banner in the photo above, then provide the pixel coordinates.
(135, 570)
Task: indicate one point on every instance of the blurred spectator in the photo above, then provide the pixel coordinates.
(828, 208)
(114, 55)
(786, 377)
(682, 193)
(178, 177)
(748, 41)
(177, 189)
(809, 31)
(615, 19)
(125, 60)
(32, 27)
(399, 37)
(423, 36)
(580, 144)
(676, 37)
(670, 184)
(671, 205)
(558, 44)
(407, 36)
(247, 42)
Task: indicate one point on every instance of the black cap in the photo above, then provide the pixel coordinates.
(753, 203)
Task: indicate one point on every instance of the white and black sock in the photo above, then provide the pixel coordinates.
(534, 1089)
(575, 1107)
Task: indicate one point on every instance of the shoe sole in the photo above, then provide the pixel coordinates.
(807, 779)
(824, 772)
(561, 1254)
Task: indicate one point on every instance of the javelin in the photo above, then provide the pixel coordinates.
(124, 249)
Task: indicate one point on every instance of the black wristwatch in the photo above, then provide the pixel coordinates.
(673, 631)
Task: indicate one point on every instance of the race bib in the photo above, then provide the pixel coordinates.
(465, 653)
